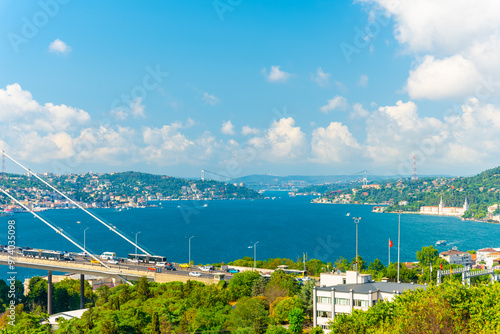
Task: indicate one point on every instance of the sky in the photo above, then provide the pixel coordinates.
(239, 87)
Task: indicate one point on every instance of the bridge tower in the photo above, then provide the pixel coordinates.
(3, 166)
(414, 176)
(203, 175)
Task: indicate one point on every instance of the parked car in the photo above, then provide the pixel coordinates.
(195, 274)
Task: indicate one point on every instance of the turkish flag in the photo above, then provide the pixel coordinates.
(441, 266)
(390, 243)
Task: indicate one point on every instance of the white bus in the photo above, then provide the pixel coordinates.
(108, 256)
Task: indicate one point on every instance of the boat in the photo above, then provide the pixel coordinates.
(348, 214)
(441, 243)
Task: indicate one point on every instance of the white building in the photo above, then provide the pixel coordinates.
(345, 295)
(442, 210)
(455, 256)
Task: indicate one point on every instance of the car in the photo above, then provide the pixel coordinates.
(162, 264)
(195, 274)
(113, 261)
(69, 258)
(232, 270)
(82, 254)
(184, 265)
(133, 260)
(94, 261)
(207, 268)
(170, 268)
(151, 268)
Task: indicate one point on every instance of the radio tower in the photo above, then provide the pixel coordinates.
(414, 176)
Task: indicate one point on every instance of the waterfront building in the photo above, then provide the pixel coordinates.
(442, 210)
(455, 256)
(341, 293)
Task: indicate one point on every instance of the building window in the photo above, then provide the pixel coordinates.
(344, 280)
(323, 300)
(324, 314)
(324, 326)
(360, 302)
(342, 301)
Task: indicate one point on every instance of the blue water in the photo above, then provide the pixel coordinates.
(224, 230)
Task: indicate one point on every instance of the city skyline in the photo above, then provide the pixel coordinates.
(241, 88)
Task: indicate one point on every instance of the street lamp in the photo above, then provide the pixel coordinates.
(84, 249)
(136, 244)
(356, 221)
(399, 238)
(254, 254)
(189, 263)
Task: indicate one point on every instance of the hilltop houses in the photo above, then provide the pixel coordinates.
(442, 210)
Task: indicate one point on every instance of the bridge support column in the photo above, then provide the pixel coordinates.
(49, 292)
(82, 290)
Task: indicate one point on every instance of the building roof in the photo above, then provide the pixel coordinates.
(487, 250)
(389, 287)
(452, 252)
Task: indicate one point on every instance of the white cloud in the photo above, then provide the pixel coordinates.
(119, 114)
(338, 102)
(210, 99)
(246, 131)
(276, 75)
(58, 46)
(227, 128)
(334, 143)
(282, 142)
(443, 78)
(358, 111)
(321, 77)
(363, 80)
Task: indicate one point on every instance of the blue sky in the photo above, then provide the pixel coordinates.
(247, 87)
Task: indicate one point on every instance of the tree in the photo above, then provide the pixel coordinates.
(296, 320)
(241, 285)
(427, 255)
(282, 308)
(376, 266)
(306, 295)
(249, 312)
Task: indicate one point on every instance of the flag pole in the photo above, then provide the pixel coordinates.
(389, 252)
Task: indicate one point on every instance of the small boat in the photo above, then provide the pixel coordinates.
(441, 243)
(205, 205)
(348, 214)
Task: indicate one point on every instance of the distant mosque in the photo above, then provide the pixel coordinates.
(441, 210)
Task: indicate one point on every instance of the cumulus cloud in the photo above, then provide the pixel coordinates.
(227, 128)
(321, 78)
(276, 75)
(282, 142)
(435, 79)
(458, 47)
(358, 111)
(137, 108)
(334, 143)
(246, 131)
(338, 102)
(210, 99)
(58, 46)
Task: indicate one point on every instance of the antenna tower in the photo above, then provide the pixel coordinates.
(414, 176)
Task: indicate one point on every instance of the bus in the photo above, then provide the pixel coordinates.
(147, 258)
(43, 254)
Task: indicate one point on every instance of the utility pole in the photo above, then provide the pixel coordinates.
(399, 239)
(189, 263)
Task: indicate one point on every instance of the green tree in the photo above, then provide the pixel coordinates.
(427, 255)
(249, 312)
(306, 295)
(283, 306)
(241, 285)
(296, 320)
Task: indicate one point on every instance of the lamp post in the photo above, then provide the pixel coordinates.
(189, 263)
(399, 238)
(136, 243)
(356, 221)
(85, 249)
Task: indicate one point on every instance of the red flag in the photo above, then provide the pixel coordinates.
(390, 243)
(441, 266)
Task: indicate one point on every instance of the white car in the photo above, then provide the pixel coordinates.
(195, 274)
(113, 261)
(206, 268)
(161, 264)
(133, 260)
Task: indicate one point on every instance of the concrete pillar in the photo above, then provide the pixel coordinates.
(49, 292)
(82, 290)
(333, 303)
(314, 307)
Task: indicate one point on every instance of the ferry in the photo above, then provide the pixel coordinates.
(441, 243)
